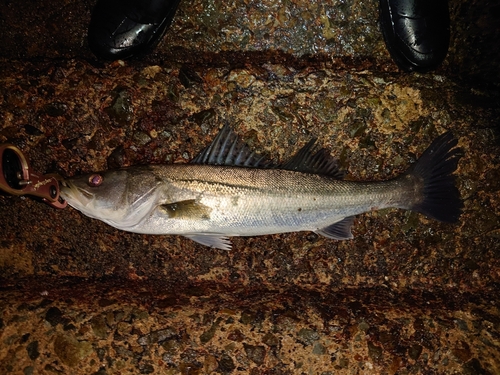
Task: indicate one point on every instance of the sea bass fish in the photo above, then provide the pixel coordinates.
(227, 190)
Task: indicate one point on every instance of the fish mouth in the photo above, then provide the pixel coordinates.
(74, 195)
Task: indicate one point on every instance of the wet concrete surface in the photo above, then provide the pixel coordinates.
(105, 329)
(214, 32)
(407, 295)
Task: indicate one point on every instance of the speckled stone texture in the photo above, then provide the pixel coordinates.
(241, 331)
(407, 296)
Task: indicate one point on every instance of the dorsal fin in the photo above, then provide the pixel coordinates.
(228, 149)
(308, 161)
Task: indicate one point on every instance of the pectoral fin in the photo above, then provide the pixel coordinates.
(212, 240)
(188, 209)
(341, 230)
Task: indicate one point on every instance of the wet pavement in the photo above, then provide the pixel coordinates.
(406, 295)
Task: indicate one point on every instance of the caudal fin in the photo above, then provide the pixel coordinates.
(441, 198)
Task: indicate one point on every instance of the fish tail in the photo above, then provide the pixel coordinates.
(441, 198)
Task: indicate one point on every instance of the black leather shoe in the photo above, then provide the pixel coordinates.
(416, 32)
(120, 29)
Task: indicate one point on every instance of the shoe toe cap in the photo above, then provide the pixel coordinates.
(120, 29)
(119, 42)
(423, 42)
(416, 32)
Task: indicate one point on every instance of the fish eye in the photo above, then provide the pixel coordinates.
(95, 180)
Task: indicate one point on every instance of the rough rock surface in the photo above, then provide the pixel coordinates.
(408, 295)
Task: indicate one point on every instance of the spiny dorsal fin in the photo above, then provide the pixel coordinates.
(308, 161)
(228, 149)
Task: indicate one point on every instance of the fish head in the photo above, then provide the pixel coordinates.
(114, 197)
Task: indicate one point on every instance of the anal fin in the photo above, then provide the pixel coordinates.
(340, 230)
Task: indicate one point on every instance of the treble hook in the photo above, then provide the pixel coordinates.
(17, 178)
